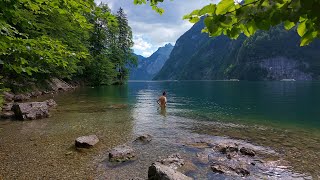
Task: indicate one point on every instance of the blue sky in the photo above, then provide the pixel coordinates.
(151, 30)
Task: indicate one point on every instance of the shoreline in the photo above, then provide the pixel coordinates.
(54, 86)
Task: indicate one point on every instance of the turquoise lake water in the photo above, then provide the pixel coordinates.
(286, 104)
(282, 116)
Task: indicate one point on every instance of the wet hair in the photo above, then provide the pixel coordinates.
(164, 93)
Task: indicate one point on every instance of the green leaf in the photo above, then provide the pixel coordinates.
(245, 30)
(288, 25)
(302, 28)
(252, 28)
(249, 1)
(194, 19)
(224, 6)
(308, 37)
(209, 9)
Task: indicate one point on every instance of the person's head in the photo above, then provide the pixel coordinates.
(164, 93)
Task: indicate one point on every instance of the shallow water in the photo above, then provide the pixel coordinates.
(282, 116)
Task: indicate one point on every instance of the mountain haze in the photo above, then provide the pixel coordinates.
(149, 67)
(268, 55)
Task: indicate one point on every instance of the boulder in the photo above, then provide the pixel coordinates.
(8, 96)
(121, 153)
(228, 148)
(144, 138)
(31, 110)
(59, 85)
(158, 171)
(51, 103)
(173, 161)
(247, 151)
(222, 169)
(20, 98)
(86, 141)
(229, 170)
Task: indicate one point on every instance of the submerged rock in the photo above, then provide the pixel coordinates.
(31, 110)
(86, 141)
(121, 153)
(228, 148)
(228, 170)
(247, 151)
(144, 138)
(158, 171)
(173, 161)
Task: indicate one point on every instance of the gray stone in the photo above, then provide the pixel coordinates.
(228, 148)
(20, 98)
(8, 96)
(59, 85)
(144, 138)
(229, 170)
(173, 161)
(86, 141)
(31, 110)
(247, 151)
(7, 106)
(121, 153)
(158, 171)
(51, 103)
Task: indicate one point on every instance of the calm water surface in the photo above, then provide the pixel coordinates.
(284, 116)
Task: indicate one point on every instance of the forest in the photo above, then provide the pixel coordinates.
(70, 40)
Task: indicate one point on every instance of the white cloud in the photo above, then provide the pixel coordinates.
(141, 44)
(151, 29)
(147, 53)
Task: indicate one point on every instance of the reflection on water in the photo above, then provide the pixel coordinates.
(281, 115)
(163, 111)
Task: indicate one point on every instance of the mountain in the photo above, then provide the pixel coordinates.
(149, 67)
(268, 55)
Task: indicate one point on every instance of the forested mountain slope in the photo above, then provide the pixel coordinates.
(268, 55)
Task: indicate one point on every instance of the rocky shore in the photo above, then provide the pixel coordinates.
(21, 106)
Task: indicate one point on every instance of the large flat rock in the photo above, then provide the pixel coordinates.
(86, 141)
(158, 171)
(32, 110)
(121, 153)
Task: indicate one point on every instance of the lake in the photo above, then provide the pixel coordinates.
(281, 116)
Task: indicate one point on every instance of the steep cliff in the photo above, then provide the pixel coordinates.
(268, 55)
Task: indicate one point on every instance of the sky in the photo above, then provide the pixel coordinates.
(152, 30)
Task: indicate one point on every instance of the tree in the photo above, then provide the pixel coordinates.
(125, 44)
(101, 70)
(234, 18)
(40, 39)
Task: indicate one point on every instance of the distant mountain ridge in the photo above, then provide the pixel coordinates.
(267, 55)
(149, 67)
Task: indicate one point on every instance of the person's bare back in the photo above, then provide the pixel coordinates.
(162, 101)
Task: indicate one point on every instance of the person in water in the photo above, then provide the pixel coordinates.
(162, 101)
